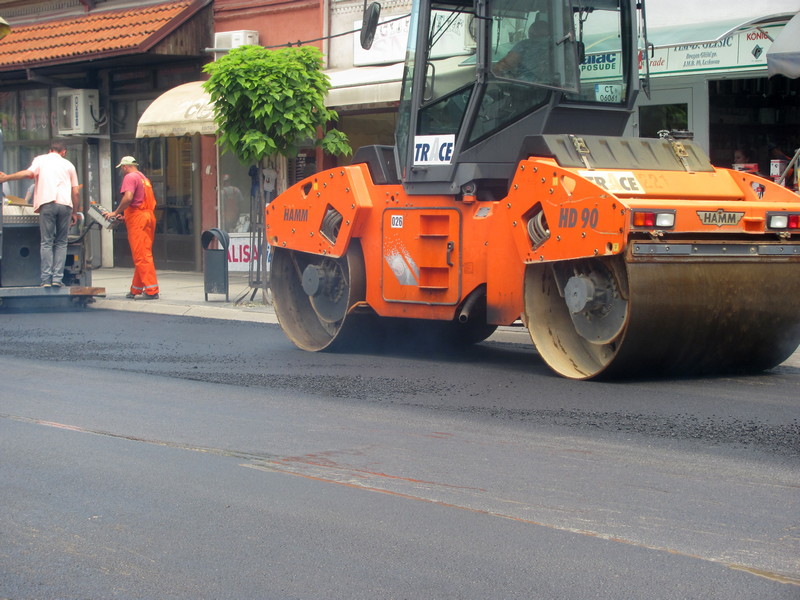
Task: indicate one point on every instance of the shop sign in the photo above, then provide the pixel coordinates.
(240, 253)
(391, 41)
(603, 65)
(389, 45)
(744, 51)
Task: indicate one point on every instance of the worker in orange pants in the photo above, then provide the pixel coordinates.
(137, 208)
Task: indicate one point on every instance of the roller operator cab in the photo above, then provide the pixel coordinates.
(510, 193)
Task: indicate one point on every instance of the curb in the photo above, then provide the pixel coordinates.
(161, 307)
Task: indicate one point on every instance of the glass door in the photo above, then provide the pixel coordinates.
(168, 163)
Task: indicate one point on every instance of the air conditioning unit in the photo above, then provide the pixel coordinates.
(227, 40)
(78, 112)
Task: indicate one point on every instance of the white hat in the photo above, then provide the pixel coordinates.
(127, 160)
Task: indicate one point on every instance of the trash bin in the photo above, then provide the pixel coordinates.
(215, 262)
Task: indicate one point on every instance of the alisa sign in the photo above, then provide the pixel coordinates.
(241, 254)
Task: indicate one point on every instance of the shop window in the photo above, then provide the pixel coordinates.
(237, 189)
(16, 158)
(151, 153)
(759, 116)
(131, 81)
(9, 116)
(35, 115)
(167, 162)
(178, 186)
(368, 129)
(125, 115)
(302, 166)
(657, 117)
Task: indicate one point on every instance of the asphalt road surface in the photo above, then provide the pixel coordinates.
(151, 456)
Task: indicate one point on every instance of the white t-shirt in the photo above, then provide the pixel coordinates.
(270, 175)
(55, 177)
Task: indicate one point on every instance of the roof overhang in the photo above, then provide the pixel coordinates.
(365, 87)
(98, 35)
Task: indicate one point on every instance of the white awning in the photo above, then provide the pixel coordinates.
(364, 86)
(187, 109)
(783, 57)
(707, 32)
(183, 110)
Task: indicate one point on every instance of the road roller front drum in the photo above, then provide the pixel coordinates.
(608, 317)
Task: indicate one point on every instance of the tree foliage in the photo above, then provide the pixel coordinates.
(266, 102)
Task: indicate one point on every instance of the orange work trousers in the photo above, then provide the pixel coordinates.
(141, 225)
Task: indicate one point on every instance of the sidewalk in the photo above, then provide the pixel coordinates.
(182, 293)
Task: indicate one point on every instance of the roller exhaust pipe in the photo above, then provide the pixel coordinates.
(469, 304)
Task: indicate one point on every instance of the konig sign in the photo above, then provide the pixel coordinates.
(745, 51)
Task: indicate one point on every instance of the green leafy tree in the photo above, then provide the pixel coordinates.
(267, 102)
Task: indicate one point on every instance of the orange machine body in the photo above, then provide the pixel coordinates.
(429, 253)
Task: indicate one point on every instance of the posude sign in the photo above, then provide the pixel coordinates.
(719, 217)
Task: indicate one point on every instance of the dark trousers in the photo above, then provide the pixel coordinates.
(54, 222)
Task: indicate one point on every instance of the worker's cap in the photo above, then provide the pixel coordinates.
(127, 160)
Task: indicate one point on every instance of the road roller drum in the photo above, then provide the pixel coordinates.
(681, 318)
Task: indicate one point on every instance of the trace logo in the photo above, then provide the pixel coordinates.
(616, 182)
(433, 149)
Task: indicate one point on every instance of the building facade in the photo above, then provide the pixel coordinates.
(709, 78)
(105, 62)
(135, 72)
(712, 79)
(85, 72)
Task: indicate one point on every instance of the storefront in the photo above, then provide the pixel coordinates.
(175, 136)
(75, 77)
(180, 123)
(366, 84)
(366, 99)
(712, 80)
